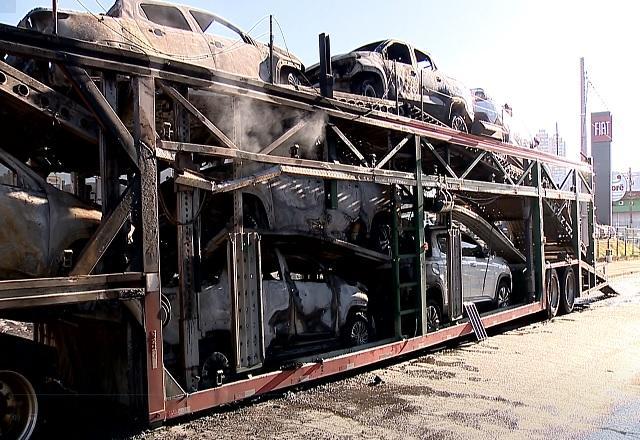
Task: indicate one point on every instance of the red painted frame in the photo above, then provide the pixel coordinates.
(277, 380)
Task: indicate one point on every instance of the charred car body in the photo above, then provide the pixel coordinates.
(490, 119)
(182, 33)
(43, 227)
(305, 304)
(393, 69)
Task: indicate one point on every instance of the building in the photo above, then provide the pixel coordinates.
(553, 144)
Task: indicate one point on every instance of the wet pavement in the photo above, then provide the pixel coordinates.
(577, 376)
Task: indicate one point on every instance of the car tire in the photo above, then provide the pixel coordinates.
(503, 294)
(380, 237)
(20, 405)
(458, 122)
(368, 87)
(433, 316)
(358, 330)
(568, 296)
(552, 292)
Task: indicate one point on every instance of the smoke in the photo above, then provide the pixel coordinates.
(255, 125)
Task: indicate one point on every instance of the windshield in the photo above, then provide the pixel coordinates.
(371, 47)
(212, 25)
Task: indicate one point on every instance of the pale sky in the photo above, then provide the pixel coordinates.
(523, 53)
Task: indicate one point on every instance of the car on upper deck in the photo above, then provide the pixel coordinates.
(176, 32)
(490, 119)
(393, 69)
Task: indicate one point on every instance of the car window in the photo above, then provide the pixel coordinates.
(468, 248)
(399, 52)
(165, 16)
(442, 243)
(423, 60)
(371, 47)
(302, 269)
(209, 25)
(270, 267)
(8, 176)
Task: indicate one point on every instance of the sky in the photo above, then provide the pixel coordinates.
(524, 53)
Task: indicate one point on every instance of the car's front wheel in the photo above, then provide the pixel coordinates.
(458, 122)
(503, 295)
(434, 316)
(367, 87)
(358, 330)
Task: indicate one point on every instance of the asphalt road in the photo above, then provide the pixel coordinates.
(577, 376)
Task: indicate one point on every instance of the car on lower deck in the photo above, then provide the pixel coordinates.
(486, 278)
(305, 304)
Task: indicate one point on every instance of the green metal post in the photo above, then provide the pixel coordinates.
(395, 261)
(537, 224)
(418, 216)
(577, 229)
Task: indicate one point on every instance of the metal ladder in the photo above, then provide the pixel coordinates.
(476, 322)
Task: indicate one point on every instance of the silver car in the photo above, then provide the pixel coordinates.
(485, 277)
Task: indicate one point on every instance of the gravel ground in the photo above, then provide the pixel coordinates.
(577, 376)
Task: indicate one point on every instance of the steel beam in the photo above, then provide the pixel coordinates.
(104, 235)
(345, 140)
(475, 162)
(17, 86)
(441, 160)
(144, 134)
(284, 138)
(196, 181)
(393, 152)
(217, 133)
(107, 118)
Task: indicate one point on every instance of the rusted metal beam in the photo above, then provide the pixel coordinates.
(20, 87)
(392, 153)
(217, 133)
(501, 168)
(473, 164)
(106, 232)
(107, 118)
(348, 143)
(440, 159)
(284, 138)
(189, 178)
(525, 173)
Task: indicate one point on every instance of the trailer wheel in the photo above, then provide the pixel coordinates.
(553, 293)
(18, 406)
(568, 297)
(357, 331)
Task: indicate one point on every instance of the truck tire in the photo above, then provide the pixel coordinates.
(553, 293)
(367, 86)
(568, 296)
(19, 408)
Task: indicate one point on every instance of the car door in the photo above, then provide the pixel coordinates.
(314, 298)
(172, 35)
(401, 68)
(469, 269)
(433, 100)
(24, 235)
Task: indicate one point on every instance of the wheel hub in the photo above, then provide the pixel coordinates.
(18, 406)
(359, 333)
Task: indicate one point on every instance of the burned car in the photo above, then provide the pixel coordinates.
(304, 302)
(180, 33)
(43, 227)
(490, 119)
(375, 69)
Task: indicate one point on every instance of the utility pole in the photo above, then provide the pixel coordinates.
(583, 111)
(630, 201)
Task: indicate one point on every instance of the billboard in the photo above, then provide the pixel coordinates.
(601, 127)
(619, 187)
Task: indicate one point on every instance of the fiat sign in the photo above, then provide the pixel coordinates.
(601, 128)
